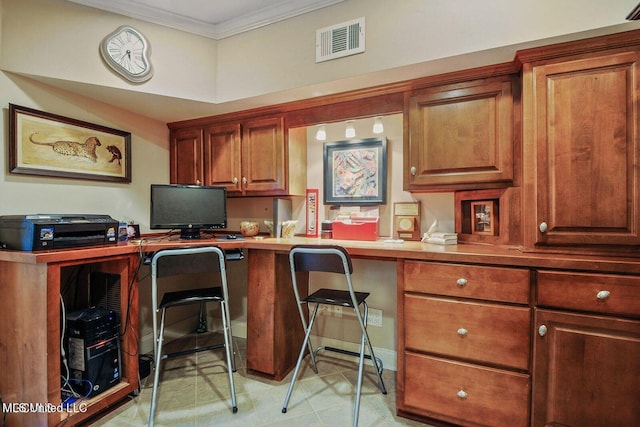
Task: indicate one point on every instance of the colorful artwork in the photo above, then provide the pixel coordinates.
(355, 172)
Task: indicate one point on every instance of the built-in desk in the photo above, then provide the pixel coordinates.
(30, 285)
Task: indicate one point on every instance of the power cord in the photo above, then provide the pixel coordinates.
(66, 386)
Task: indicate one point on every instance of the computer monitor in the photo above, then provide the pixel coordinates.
(188, 208)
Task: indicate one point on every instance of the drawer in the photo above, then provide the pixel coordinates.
(466, 394)
(468, 281)
(599, 293)
(489, 333)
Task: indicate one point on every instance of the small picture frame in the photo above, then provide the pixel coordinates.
(483, 217)
(133, 231)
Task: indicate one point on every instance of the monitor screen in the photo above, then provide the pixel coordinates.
(188, 208)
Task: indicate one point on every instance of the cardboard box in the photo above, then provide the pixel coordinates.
(365, 228)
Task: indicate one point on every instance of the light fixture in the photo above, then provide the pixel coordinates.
(378, 127)
(350, 131)
(321, 133)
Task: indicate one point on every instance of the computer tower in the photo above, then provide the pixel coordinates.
(104, 290)
(93, 350)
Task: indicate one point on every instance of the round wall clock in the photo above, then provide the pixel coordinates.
(126, 51)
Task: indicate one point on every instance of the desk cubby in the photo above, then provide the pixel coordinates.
(31, 333)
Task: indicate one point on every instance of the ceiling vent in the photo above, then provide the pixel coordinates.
(340, 40)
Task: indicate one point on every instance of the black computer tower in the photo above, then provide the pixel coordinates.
(93, 350)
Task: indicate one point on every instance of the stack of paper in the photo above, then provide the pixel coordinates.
(441, 238)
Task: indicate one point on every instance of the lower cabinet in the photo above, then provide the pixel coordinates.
(508, 346)
(464, 344)
(587, 365)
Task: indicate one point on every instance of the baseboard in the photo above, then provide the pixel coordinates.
(388, 357)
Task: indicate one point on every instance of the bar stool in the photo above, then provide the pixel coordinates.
(173, 262)
(330, 259)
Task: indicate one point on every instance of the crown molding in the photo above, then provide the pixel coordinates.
(257, 18)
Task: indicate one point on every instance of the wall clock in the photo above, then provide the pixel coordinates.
(126, 51)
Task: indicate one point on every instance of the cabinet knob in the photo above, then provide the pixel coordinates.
(461, 282)
(198, 182)
(542, 330)
(462, 394)
(462, 332)
(413, 170)
(235, 180)
(244, 180)
(543, 227)
(603, 295)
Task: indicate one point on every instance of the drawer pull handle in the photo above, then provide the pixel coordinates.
(462, 394)
(542, 330)
(462, 332)
(461, 282)
(603, 295)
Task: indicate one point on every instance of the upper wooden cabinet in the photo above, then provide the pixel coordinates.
(580, 116)
(252, 157)
(461, 136)
(186, 161)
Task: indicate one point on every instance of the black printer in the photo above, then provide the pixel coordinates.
(48, 232)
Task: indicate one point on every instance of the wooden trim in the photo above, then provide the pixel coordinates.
(578, 47)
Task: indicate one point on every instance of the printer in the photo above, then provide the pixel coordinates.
(48, 232)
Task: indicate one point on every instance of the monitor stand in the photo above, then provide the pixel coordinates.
(189, 233)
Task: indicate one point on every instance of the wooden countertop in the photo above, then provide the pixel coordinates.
(461, 253)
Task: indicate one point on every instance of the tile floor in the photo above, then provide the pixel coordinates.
(194, 391)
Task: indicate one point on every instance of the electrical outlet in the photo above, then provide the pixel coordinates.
(374, 317)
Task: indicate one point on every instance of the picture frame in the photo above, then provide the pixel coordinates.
(46, 144)
(483, 217)
(355, 172)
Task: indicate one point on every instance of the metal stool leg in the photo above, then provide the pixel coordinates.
(156, 376)
(356, 408)
(377, 363)
(305, 343)
(229, 351)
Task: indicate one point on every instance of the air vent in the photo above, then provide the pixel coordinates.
(340, 40)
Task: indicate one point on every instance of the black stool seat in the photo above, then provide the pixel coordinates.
(335, 297)
(190, 296)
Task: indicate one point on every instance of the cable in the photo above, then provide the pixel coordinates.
(65, 386)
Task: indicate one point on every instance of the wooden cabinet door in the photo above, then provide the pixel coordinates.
(586, 371)
(263, 156)
(581, 151)
(185, 150)
(222, 151)
(461, 134)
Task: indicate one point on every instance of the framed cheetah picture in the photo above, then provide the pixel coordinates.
(50, 145)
